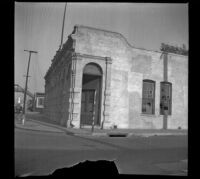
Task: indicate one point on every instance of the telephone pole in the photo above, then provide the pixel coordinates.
(63, 25)
(30, 52)
(164, 55)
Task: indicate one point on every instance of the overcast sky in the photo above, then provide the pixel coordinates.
(38, 27)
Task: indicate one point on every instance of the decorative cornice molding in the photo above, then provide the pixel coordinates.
(90, 56)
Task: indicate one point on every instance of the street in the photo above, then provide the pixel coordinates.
(41, 153)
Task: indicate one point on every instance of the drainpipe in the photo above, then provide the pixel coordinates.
(104, 93)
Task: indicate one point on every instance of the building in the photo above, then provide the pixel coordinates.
(97, 73)
(39, 102)
(19, 96)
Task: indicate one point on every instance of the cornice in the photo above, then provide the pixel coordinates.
(90, 56)
(120, 36)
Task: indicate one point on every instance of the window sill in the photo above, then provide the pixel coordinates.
(153, 115)
(163, 114)
(148, 115)
(39, 106)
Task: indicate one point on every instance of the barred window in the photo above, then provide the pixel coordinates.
(148, 97)
(165, 98)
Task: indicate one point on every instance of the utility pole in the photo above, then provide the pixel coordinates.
(63, 25)
(164, 55)
(165, 64)
(30, 52)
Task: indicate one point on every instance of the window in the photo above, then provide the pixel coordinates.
(148, 97)
(40, 102)
(165, 98)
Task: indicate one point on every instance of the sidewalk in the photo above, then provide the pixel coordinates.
(32, 124)
(36, 126)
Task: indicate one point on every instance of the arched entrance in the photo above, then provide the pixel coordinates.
(91, 95)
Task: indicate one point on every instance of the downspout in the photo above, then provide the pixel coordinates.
(105, 94)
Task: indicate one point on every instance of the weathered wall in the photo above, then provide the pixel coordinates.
(178, 76)
(65, 94)
(57, 92)
(144, 65)
(94, 42)
(129, 67)
(81, 63)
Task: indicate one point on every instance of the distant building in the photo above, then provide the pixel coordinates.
(39, 102)
(99, 74)
(19, 96)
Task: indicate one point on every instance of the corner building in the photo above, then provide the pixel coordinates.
(98, 76)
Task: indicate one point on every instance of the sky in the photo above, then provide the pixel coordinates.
(38, 27)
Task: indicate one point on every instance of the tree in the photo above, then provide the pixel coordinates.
(174, 49)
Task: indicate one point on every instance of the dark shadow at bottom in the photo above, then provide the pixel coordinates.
(87, 168)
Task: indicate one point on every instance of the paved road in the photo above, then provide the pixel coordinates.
(40, 153)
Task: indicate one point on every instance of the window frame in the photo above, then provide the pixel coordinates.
(37, 102)
(152, 99)
(170, 92)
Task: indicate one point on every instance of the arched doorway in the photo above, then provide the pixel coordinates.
(91, 95)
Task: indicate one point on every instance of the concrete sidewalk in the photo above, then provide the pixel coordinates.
(35, 126)
(32, 124)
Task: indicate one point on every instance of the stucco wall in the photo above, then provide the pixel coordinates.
(178, 75)
(129, 67)
(81, 63)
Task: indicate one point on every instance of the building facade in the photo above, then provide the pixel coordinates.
(98, 77)
(39, 102)
(19, 97)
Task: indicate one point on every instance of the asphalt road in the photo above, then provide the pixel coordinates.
(41, 153)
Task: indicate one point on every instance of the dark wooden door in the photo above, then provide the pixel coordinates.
(87, 106)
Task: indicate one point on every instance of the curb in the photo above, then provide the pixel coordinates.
(108, 134)
(158, 134)
(29, 129)
(48, 124)
(65, 130)
(34, 129)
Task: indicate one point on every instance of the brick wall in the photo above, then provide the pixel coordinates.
(57, 93)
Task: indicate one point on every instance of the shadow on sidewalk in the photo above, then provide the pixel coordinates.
(40, 117)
